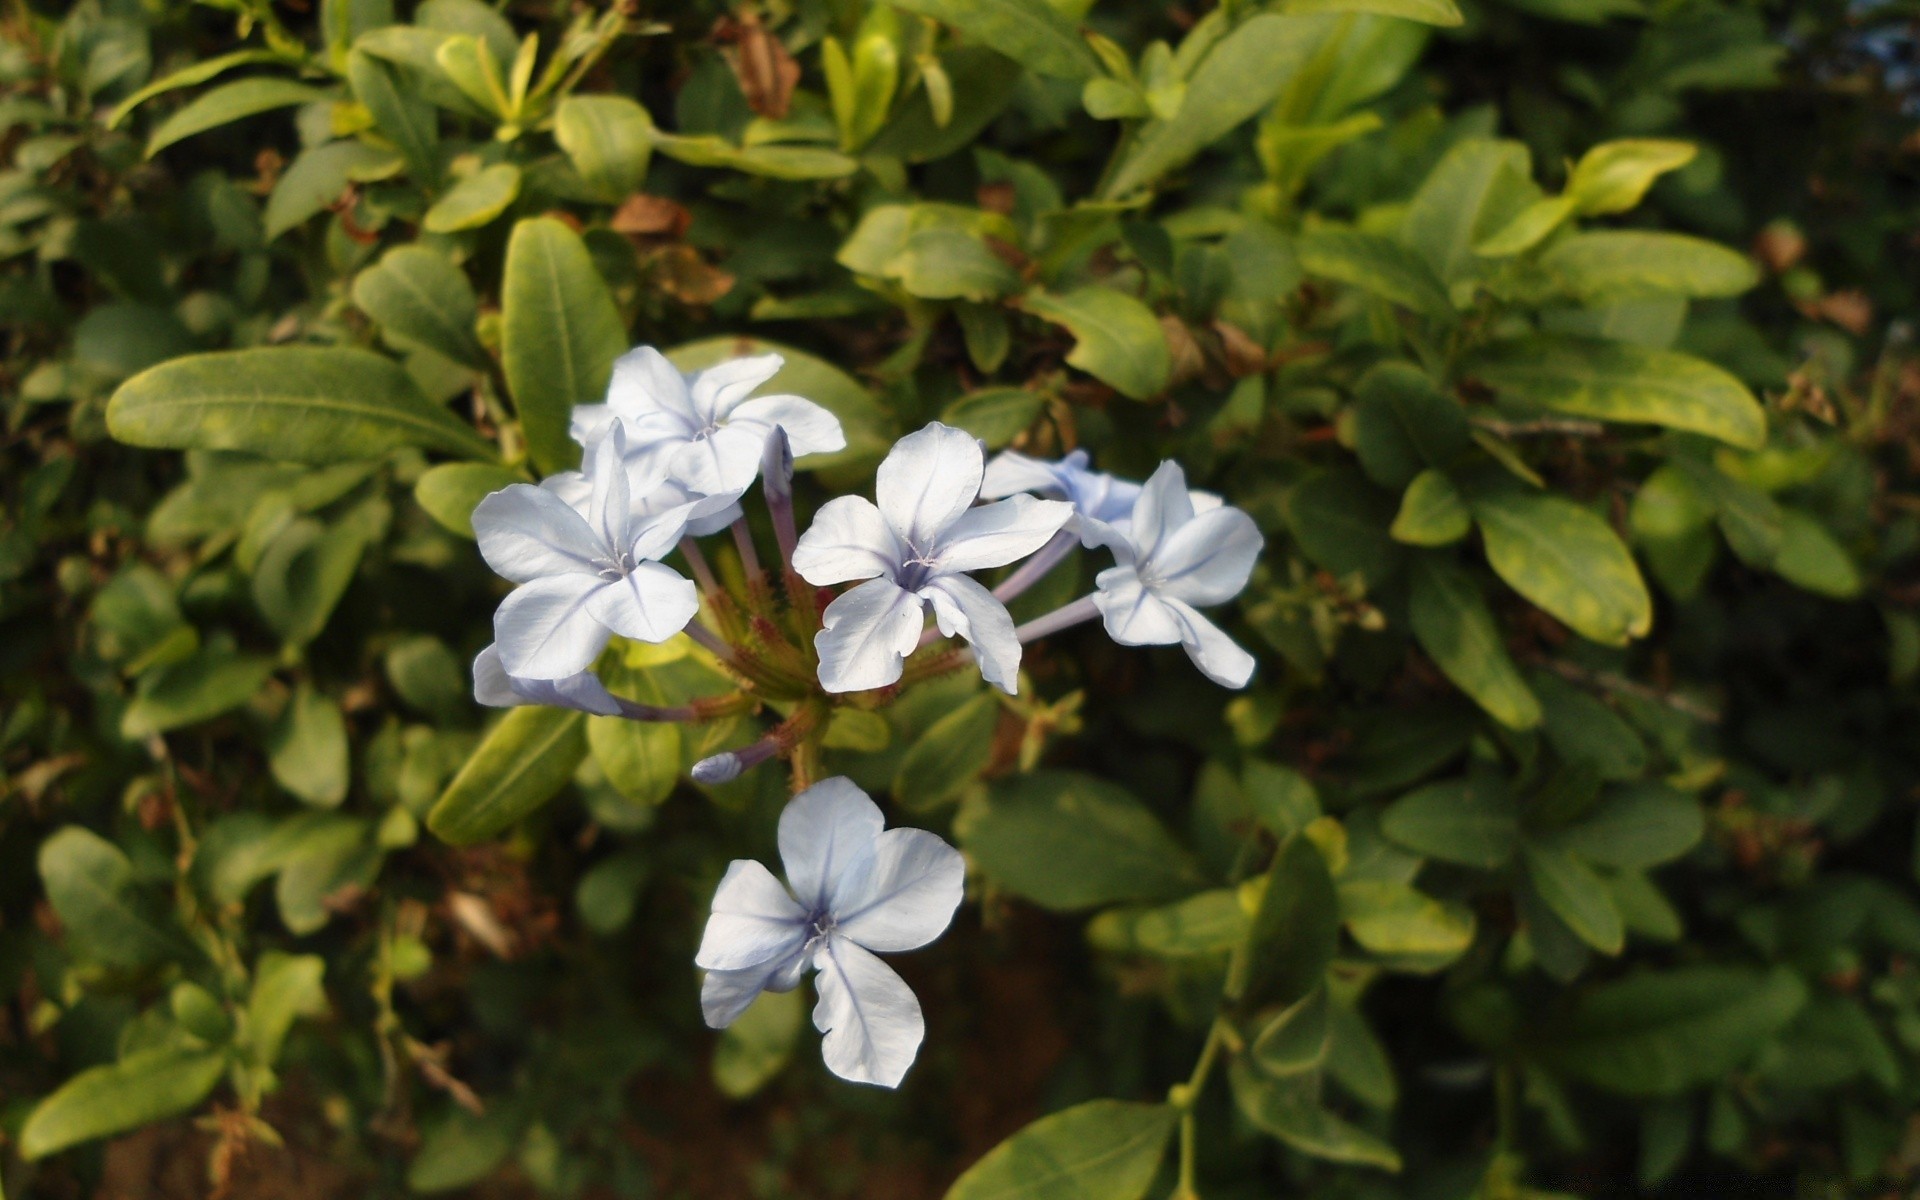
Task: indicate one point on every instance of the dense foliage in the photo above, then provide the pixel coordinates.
(1563, 843)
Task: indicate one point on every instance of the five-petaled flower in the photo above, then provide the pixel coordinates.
(582, 577)
(1172, 557)
(1097, 497)
(857, 888)
(699, 429)
(913, 549)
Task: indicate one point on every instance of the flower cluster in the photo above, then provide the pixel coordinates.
(666, 461)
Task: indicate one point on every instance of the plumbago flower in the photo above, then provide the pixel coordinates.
(1097, 498)
(1171, 557)
(914, 548)
(699, 429)
(857, 888)
(495, 688)
(583, 576)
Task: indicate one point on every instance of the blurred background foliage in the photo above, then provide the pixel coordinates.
(1564, 843)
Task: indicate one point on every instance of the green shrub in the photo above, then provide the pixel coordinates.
(1563, 842)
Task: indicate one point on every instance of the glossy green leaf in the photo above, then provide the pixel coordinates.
(1611, 261)
(1432, 512)
(232, 102)
(475, 201)
(559, 335)
(641, 759)
(1117, 339)
(89, 882)
(401, 116)
(1614, 381)
(948, 755)
(1293, 933)
(1614, 176)
(1207, 923)
(1377, 265)
(1568, 561)
(317, 179)
(1031, 32)
(994, 415)
(759, 1045)
(1810, 557)
(450, 491)
(286, 987)
(1427, 12)
(1293, 1111)
(304, 404)
(1296, 1038)
(1100, 1150)
(609, 140)
(307, 750)
(1639, 826)
(420, 299)
(1069, 841)
(1472, 822)
(1474, 190)
(213, 681)
(525, 760)
(1389, 917)
(1576, 895)
(144, 1087)
(1450, 618)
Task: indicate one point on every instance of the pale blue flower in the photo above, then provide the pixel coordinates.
(856, 888)
(1097, 498)
(492, 686)
(699, 428)
(583, 576)
(914, 548)
(1174, 555)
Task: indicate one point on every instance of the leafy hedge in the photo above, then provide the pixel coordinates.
(1564, 842)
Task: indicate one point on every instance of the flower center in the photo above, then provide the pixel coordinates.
(916, 570)
(616, 568)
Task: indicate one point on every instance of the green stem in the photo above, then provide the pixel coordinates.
(1184, 1096)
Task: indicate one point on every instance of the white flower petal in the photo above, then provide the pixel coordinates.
(658, 533)
(1011, 472)
(1218, 656)
(964, 607)
(545, 629)
(1133, 615)
(526, 533)
(811, 429)
(996, 534)
(589, 422)
(723, 460)
(495, 688)
(866, 636)
(1164, 506)
(927, 480)
(902, 893)
(869, 1015)
(572, 487)
(717, 390)
(724, 995)
(848, 540)
(610, 505)
(753, 920)
(645, 382)
(650, 604)
(1209, 559)
(823, 831)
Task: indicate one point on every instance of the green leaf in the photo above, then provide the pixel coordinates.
(1296, 1038)
(1432, 512)
(559, 335)
(1402, 423)
(421, 300)
(89, 882)
(1100, 1150)
(475, 201)
(1585, 732)
(1615, 381)
(1610, 262)
(408, 121)
(307, 750)
(995, 415)
(1473, 191)
(641, 759)
(610, 891)
(1527, 228)
(1614, 176)
(463, 1149)
(191, 76)
(1810, 557)
(984, 83)
(1207, 923)
(1068, 841)
(1340, 521)
(1031, 32)
(1238, 77)
(1659, 1033)
(758, 1046)
(286, 987)
(1117, 339)
(1639, 826)
(305, 570)
(946, 264)
(450, 491)
(773, 160)
(948, 756)
(213, 681)
(1567, 561)
(232, 102)
(1389, 917)
(1291, 1110)
(1375, 264)
(317, 177)
(609, 139)
(1576, 895)
(1427, 12)
(144, 1087)
(1452, 623)
(1294, 932)
(302, 404)
(1471, 822)
(525, 760)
